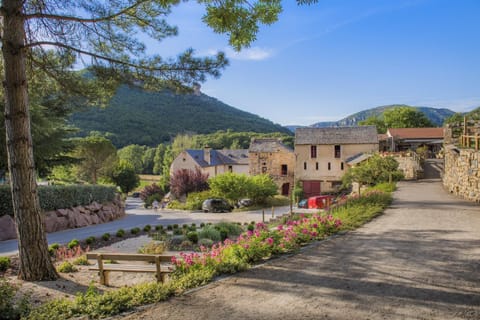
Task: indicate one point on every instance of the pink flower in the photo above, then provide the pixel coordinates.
(270, 241)
(280, 228)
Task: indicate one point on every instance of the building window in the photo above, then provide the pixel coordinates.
(284, 169)
(337, 151)
(329, 166)
(316, 166)
(184, 159)
(313, 151)
(304, 166)
(341, 166)
(264, 169)
(230, 169)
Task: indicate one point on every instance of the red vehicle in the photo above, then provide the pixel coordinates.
(320, 202)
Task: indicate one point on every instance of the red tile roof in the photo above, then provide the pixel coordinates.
(416, 133)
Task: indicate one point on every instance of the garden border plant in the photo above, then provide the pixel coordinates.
(196, 269)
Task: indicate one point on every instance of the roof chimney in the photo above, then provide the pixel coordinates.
(207, 154)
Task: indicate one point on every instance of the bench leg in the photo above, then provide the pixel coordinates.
(104, 277)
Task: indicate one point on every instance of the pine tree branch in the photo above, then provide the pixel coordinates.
(40, 15)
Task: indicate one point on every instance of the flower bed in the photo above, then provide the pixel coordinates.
(199, 268)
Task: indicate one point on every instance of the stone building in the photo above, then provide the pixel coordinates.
(321, 155)
(271, 156)
(212, 162)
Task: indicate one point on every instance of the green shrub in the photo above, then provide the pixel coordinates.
(169, 227)
(67, 267)
(177, 231)
(10, 307)
(194, 225)
(175, 204)
(135, 230)
(90, 240)
(61, 196)
(120, 233)
(205, 242)
(72, 244)
(4, 263)
(106, 236)
(147, 228)
(175, 226)
(81, 261)
(202, 224)
(159, 227)
(209, 232)
(52, 248)
(251, 227)
(185, 226)
(151, 198)
(192, 236)
(233, 229)
(195, 200)
(384, 187)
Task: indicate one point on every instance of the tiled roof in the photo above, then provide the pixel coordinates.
(220, 157)
(267, 145)
(416, 133)
(337, 135)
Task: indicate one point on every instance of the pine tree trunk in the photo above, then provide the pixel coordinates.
(35, 262)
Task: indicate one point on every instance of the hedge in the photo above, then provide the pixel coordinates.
(61, 197)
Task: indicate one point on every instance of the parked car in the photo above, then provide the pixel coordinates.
(303, 203)
(136, 194)
(216, 205)
(244, 203)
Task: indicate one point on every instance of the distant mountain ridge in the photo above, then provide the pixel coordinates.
(436, 115)
(136, 116)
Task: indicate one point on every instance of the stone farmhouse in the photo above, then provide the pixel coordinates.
(322, 154)
(271, 156)
(405, 139)
(212, 162)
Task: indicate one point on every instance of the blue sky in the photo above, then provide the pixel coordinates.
(331, 59)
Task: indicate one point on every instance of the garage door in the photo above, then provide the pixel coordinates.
(311, 188)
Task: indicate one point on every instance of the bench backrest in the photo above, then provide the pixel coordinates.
(129, 257)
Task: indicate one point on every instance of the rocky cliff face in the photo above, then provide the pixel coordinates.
(70, 218)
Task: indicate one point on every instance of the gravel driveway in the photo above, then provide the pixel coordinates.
(420, 260)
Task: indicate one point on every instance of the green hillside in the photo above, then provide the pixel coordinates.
(135, 116)
(436, 116)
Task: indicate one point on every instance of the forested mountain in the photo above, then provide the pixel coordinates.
(136, 116)
(436, 116)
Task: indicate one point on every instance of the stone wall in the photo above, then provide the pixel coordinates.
(410, 166)
(70, 218)
(462, 176)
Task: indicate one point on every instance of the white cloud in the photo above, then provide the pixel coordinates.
(248, 54)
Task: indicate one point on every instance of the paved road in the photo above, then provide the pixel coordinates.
(137, 216)
(420, 260)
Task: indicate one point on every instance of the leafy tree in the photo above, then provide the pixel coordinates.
(124, 176)
(167, 162)
(183, 142)
(261, 187)
(405, 117)
(97, 155)
(148, 160)
(158, 159)
(133, 154)
(184, 181)
(231, 186)
(374, 121)
(102, 34)
(374, 170)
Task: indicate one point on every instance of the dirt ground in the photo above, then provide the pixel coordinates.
(420, 260)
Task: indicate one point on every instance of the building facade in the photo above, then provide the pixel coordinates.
(272, 157)
(212, 162)
(321, 155)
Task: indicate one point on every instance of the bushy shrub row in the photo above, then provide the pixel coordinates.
(61, 197)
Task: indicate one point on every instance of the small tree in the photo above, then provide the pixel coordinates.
(261, 187)
(151, 190)
(231, 186)
(124, 176)
(184, 181)
(375, 170)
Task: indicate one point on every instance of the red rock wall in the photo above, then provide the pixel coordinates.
(70, 218)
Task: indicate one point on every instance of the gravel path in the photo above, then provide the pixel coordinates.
(420, 260)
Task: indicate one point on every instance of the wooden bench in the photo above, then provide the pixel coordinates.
(159, 264)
